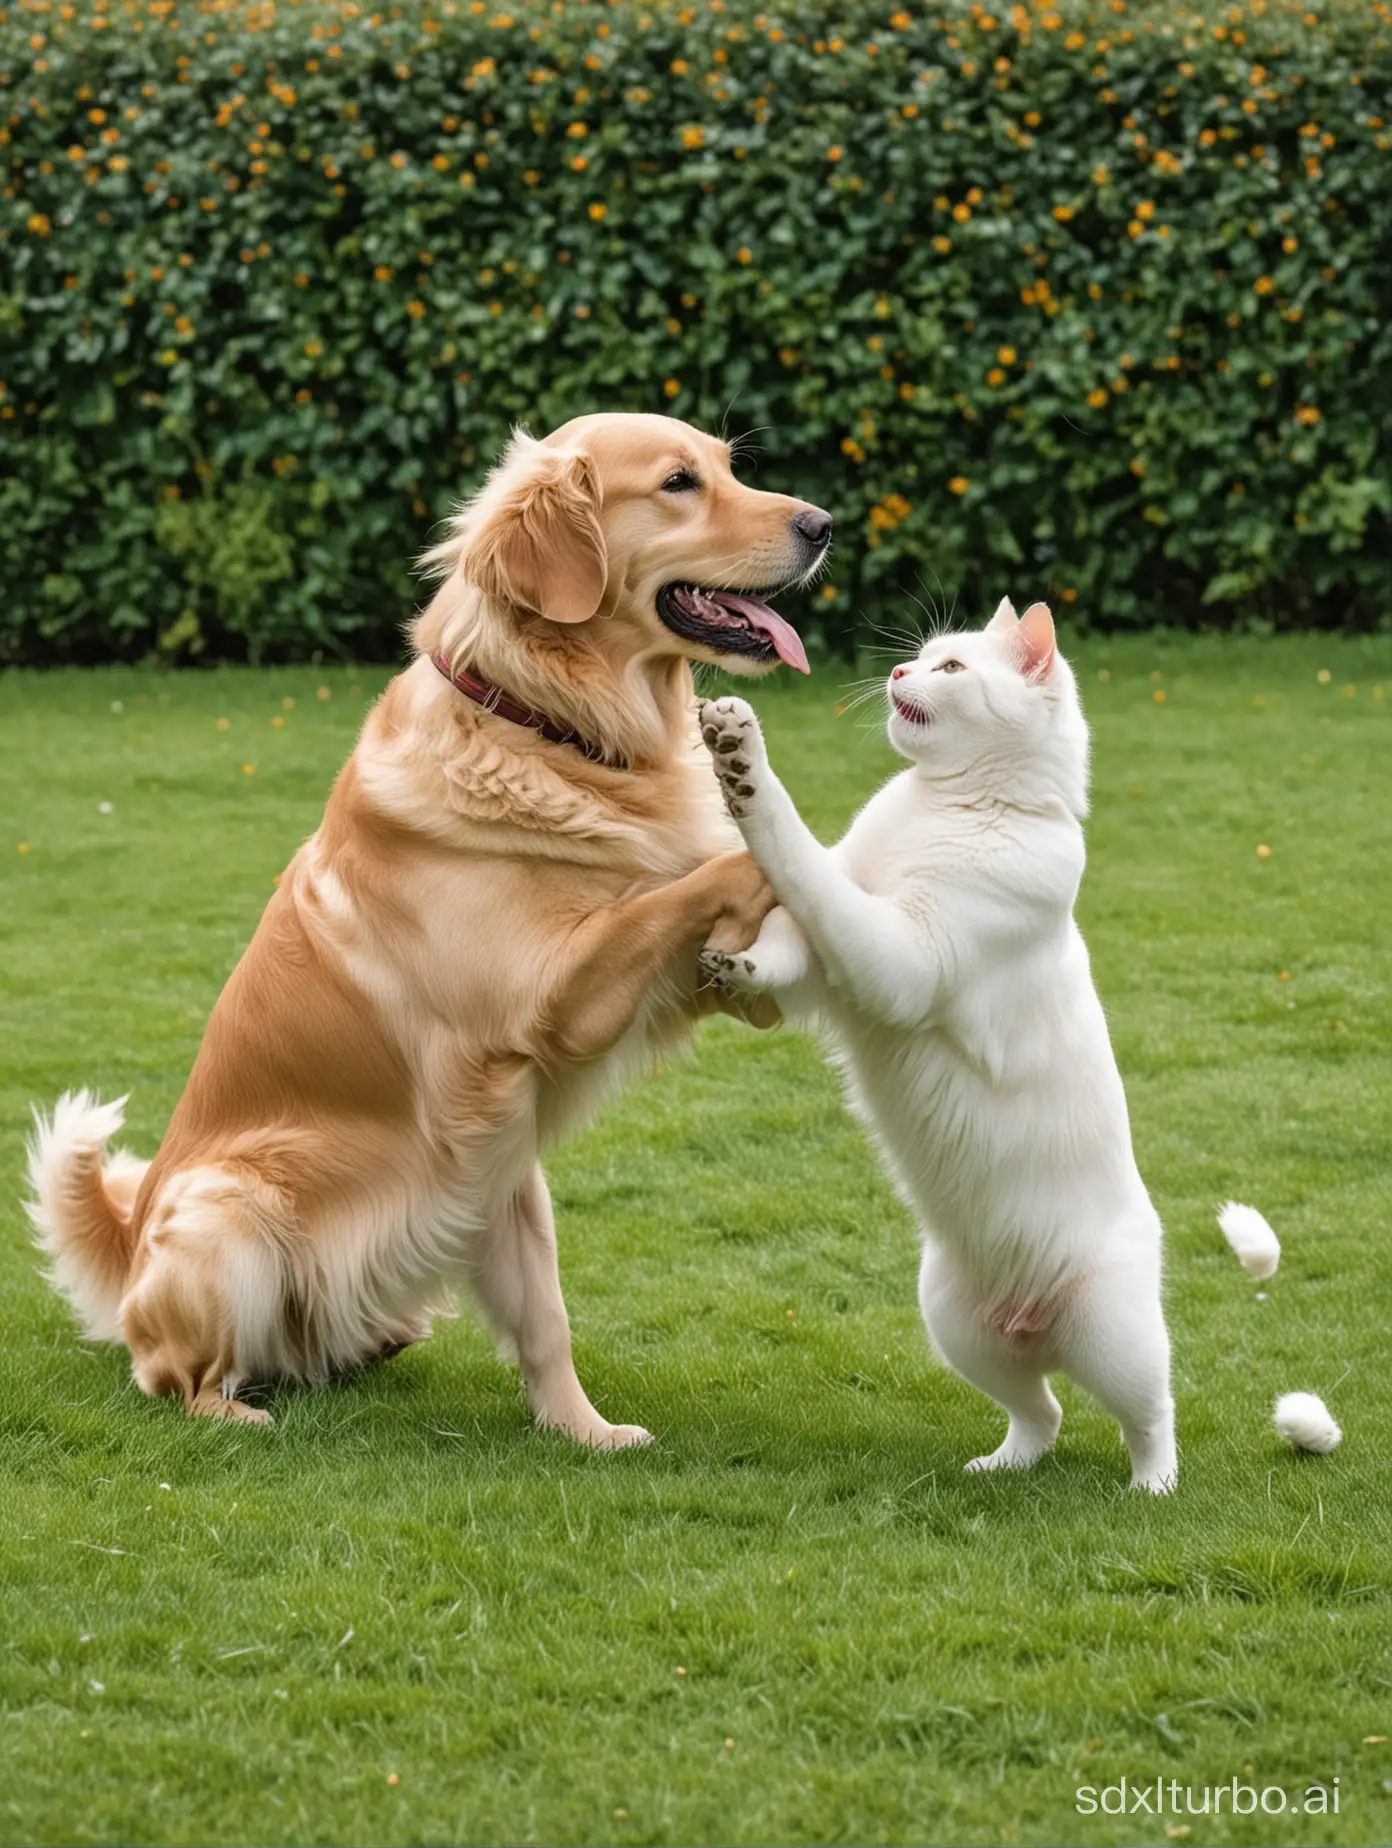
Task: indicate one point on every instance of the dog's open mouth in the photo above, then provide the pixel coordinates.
(733, 622)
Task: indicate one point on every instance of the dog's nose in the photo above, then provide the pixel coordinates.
(899, 672)
(812, 525)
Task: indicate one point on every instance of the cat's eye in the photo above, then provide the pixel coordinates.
(949, 667)
(681, 481)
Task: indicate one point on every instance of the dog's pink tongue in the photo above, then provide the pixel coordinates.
(783, 635)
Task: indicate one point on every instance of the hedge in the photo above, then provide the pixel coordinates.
(1037, 299)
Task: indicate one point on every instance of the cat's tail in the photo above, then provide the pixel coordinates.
(81, 1206)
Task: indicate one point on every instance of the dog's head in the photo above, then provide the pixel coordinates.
(634, 528)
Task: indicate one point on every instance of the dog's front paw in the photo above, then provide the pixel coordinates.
(732, 736)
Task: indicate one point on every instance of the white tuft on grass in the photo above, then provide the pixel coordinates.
(1304, 1421)
(1257, 1246)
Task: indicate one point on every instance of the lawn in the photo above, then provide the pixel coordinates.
(403, 1616)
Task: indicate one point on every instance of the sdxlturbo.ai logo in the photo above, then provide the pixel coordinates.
(1171, 1798)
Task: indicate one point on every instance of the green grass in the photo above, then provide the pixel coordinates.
(793, 1619)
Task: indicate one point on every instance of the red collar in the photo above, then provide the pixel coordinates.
(493, 699)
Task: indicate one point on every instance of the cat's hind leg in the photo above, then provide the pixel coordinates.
(1118, 1349)
(1006, 1367)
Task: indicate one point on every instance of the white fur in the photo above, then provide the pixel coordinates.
(1257, 1247)
(937, 944)
(66, 1155)
(1304, 1421)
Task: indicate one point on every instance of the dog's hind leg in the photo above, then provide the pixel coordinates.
(205, 1310)
(516, 1277)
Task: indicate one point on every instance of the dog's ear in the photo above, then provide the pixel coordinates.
(1004, 618)
(539, 543)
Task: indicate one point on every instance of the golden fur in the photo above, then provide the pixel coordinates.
(487, 933)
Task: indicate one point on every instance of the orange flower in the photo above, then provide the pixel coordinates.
(693, 137)
(598, 210)
(415, 310)
(959, 484)
(670, 388)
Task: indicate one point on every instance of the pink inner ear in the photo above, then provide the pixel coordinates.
(1036, 638)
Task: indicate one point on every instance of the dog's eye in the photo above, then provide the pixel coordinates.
(681, 481)
(948, 667)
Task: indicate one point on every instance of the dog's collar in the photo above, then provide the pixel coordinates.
(493, 699)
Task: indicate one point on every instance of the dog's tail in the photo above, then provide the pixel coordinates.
(81, 1205)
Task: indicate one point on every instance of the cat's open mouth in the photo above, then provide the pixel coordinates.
(910, 711)
(732, 622)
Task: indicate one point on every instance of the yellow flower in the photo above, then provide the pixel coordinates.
(598, 210)
(313, 349)
(744, 254)
(959, 484)
(415, 310)
(670, 388)
(1307, 414)
(1264, 285)
(382, 273)
(577, 131)
(38, 223)
(961, 213)
(995, 376)
(1063, 213)
(1097, 397)
(942, 245)
(1138, 468)
(834, 153)
(693, 137)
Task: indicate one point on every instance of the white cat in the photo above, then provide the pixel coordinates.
(936, 941)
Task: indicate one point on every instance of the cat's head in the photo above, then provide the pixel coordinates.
(995, 708)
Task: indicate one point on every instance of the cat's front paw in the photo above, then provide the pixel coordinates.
(732, 736)
(731, 975)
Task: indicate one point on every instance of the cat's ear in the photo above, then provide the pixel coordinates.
(1004, 618)
(1036, 638)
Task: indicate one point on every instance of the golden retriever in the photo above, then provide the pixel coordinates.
(496, 922)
